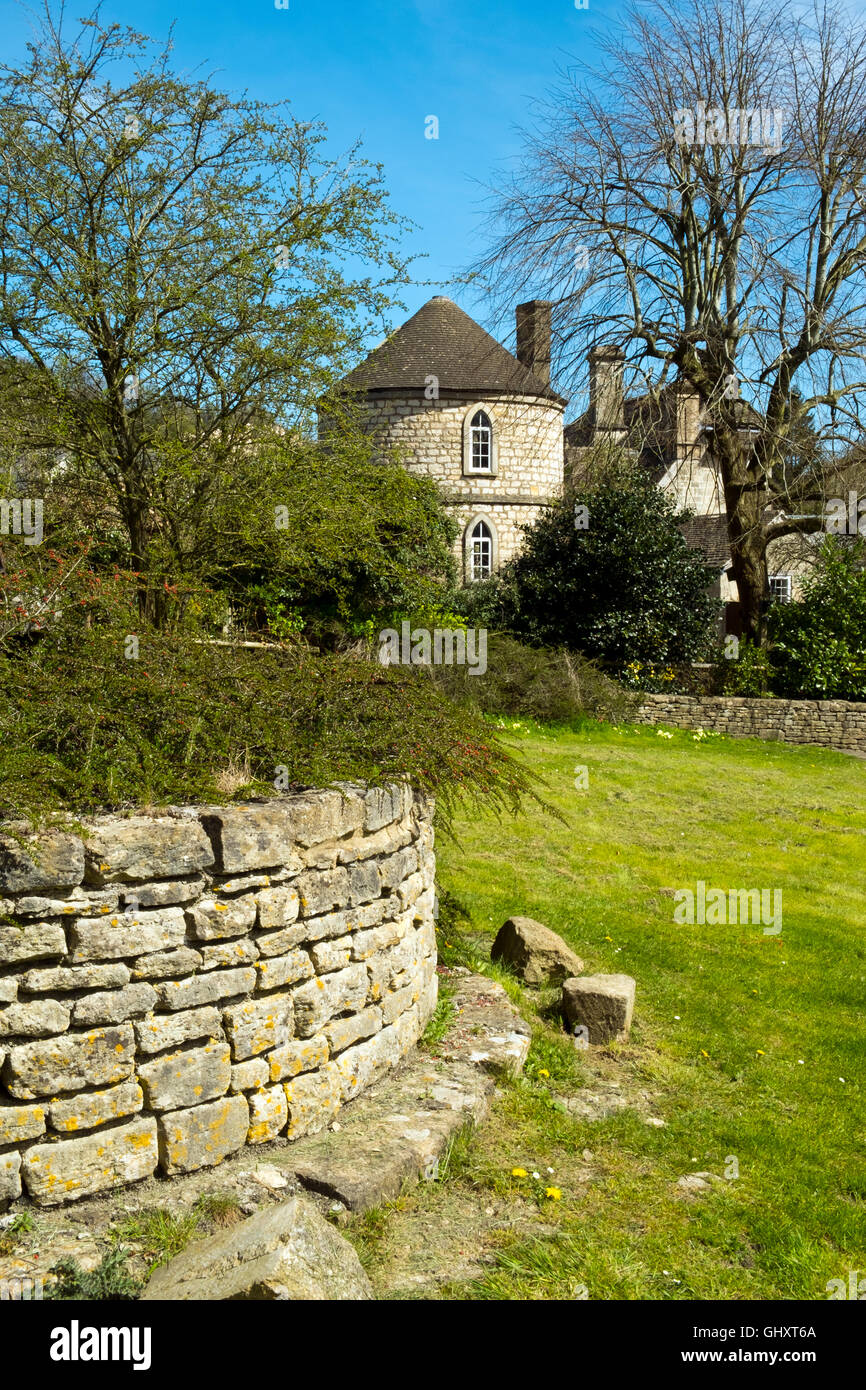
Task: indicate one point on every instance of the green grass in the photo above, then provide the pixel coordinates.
(741, 1039)
(161, 1234)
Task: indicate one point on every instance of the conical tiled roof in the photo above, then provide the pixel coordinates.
(442, 341)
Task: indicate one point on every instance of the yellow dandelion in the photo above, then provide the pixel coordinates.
(518, 1172)
(760, 1053)
(544, 1072)
(704, 1054)
(553, 1193)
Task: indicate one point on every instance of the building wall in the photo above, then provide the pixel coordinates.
(529, 456)
(175, 986)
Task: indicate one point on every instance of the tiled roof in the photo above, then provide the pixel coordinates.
(443, 341)
(709, 534)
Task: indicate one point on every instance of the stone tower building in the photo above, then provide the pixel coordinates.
(482, 422)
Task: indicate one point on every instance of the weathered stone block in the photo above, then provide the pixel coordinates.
(325, 815)
(10, 1177)
(8, 989)
(251, 837)
(365, 944)
(332, 955)
(320, 890)
(183, 960)
(169, 1030)
(75, 1168)
(94, 1108)
(361, 1064)
(61, 979)
(398, 1001)
(36, 1020)
(99, 1058)
(278, 907)
(392, 837)
(205, 989)
(20, 1122)
(138, 848)
(382, 806)
(278, 943)
(386, 966)
(603, 1004)
(537, 954)
(187, 1078)
(241, 952)
(242, 883)
(410, 890)
(287, 1252)
(69, 906)
(174, 890)
(247, 1076)
(114, 1006)
(397, 867)
(213, 919)
(269, 1113)
(284, 970)
(295, 1057)
(313, 1101)
(203, 1136)
(342, 1032)
(319, 1000)
(95, 938)
(258, 1024)
(323, 856)
(364, 882)
(372, 914)
(52, 859)
(35, 941)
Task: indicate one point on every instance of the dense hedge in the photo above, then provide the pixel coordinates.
(84, 728)
(537, 683)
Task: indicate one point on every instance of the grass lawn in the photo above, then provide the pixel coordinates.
(750, 1047)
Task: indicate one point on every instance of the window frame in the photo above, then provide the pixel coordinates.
(469, 540)
(786, 594)
(469, 469)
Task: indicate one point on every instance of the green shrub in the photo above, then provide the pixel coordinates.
(86, 724)
(624, 588)
(111, 1281)
(536, 683)
(818, 644)
(750, 673)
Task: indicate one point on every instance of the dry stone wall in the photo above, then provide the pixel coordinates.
(174, 986)
(826, 723)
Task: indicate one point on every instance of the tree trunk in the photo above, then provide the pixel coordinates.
(745, 502)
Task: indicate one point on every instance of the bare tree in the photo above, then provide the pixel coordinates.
(700, 201)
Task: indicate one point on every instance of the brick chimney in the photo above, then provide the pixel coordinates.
(533, 337)
(606, 404)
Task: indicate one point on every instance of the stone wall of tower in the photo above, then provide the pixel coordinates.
(429, 435)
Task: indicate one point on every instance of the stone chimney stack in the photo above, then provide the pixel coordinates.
(533, 337)
(606, 405)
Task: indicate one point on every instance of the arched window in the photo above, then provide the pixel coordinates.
(482, 442)
(480, 551)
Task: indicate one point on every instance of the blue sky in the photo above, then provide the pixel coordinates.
(378, 68)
